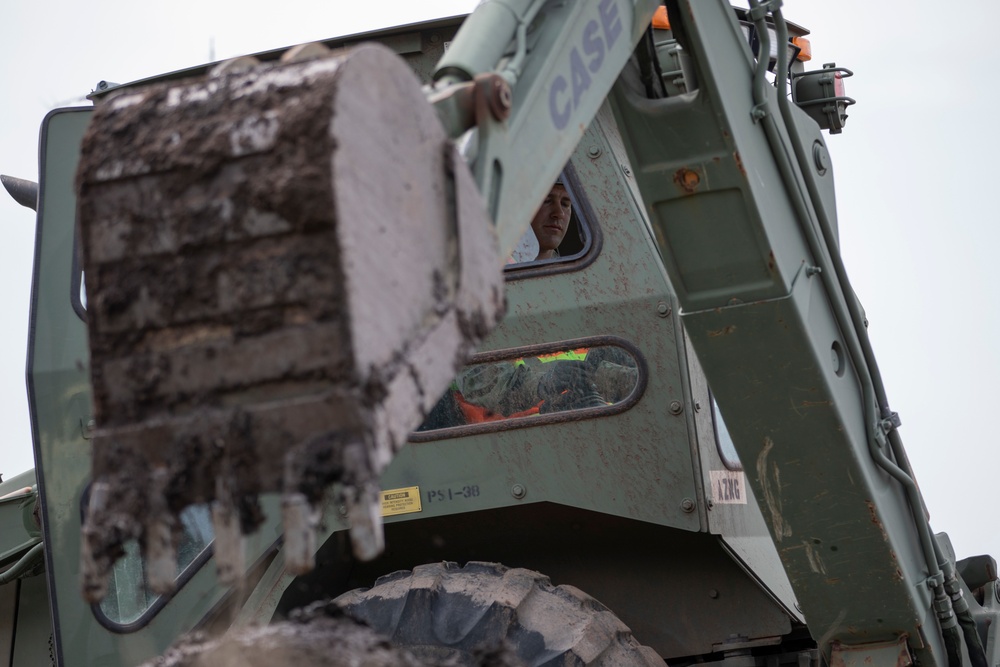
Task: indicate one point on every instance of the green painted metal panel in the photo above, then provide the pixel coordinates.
(33, 631)
(8, 615)
(637, 464)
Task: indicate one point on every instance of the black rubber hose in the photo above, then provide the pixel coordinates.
(31, 558)
(977, 654)
(953, 644)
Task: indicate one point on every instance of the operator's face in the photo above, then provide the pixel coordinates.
(551, 221)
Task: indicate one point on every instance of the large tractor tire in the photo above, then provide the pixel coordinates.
(444, 613)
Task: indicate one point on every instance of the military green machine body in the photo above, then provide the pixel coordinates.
(702, 275)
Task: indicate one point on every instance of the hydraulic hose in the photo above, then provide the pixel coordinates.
(953, 645)
(973, 642)
(977, 654)
(27, 561)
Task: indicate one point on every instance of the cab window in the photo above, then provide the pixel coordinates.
(724, 441)
(560, 230)
(129, 598)
(538, 385)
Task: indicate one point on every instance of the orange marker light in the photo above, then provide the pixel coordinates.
(806, 49)
(660, 20)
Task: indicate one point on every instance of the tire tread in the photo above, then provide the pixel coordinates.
(482, 606)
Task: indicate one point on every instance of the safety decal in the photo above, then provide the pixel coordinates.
(401, 501)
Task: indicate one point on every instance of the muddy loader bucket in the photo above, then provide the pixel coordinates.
(285, 265)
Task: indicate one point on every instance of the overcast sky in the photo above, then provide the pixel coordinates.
(915, 172)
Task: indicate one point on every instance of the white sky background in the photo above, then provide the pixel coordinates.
(915, 169)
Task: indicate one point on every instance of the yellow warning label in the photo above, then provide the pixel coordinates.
(401, 501)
